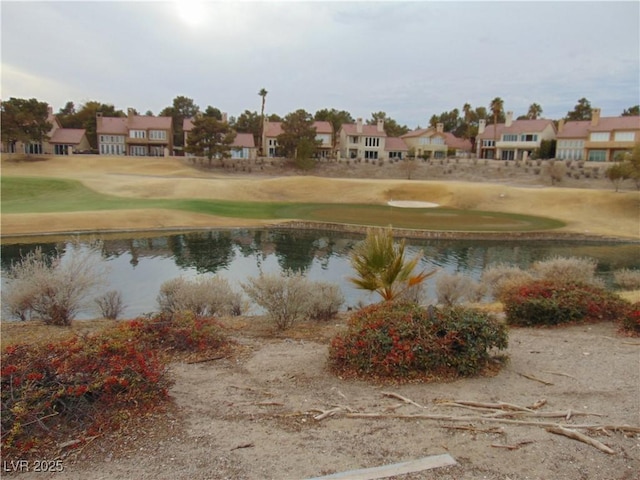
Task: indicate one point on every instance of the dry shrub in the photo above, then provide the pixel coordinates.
(110, 304)
(627, 279)
(203, 296)
(325, 300)
(567, 270)
(452, 289)
(501, 277)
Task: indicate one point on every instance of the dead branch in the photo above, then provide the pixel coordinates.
(560, 374)
(328, 413)
(400, 397)
(486, 406)
(540, 403)
(581, 438)
(245, 445)
(498, 430)
(531, 377)
(512, 447)
(210, 359)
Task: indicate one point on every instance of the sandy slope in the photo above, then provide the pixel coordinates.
(597, 212)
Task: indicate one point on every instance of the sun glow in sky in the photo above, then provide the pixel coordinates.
(191, 12)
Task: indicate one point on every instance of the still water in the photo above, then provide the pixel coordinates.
(138, 266)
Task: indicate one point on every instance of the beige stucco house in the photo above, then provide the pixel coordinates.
(324, 135)
(135, 135)
(242, 148)
(514, 139)
(436, 143)
(598, 139)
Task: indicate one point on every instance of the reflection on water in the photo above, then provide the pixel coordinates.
(138, 266)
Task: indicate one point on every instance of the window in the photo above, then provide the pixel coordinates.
(597, 155)
(372, 142)
(624, 136)
(437, 141)
(157, 135)
(488, 143)
(528, 137)
(353, 139)
(372, 154)
(138, 151)
(508, 154)
(511, 137)
(599, 137)
(425, 141)
(137, 134)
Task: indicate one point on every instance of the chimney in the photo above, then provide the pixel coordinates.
(359, 125)
(439, 127)
(561, 125)
(224, 117)
(380, 125)
(482, 123)
(508, 119)
(50, 110)
(129, 113)
(595, 117)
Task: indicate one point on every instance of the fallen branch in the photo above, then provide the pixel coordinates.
(581, 438)
(531, 377)
(486, 406)
(244, 445)
(497, 430)
(210, 359)
(400, 397)
(560, 374)
(512, 447)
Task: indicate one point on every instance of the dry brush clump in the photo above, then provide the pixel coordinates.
(56, 288)
(454, 288)
(627, 279)
(203, 296)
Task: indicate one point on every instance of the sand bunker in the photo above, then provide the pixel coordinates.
(411, 204)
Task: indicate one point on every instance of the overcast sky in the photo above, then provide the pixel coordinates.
(409, 59)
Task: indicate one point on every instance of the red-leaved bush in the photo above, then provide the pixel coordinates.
(81, 386)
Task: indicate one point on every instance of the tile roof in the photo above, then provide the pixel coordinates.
(272, 129)
(417, 133)
(244, 140)
(458, 143)
(140, 122)
(323, 127)
(368, 130)
(395, 144)
(68, 136)
(115, 125)
(517, 126)
(616, 123)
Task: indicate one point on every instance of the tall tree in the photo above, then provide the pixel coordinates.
(631, 111)
(210, 138)
(181, 108)
(496, 108)
(213, 112)
(582, 111)
(535, 110)
(263, 93)
(24, 120)
(248, 122)
(298, 138)
(391, 127)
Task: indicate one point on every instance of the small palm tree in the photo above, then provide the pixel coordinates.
(381, 266)
(535, 110)
(496, 108)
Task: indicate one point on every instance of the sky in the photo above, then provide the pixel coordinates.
(409, 59)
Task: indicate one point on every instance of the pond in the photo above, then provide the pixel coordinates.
(139, 265)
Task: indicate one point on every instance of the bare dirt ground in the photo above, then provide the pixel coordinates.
(253, 416)
(588, 206)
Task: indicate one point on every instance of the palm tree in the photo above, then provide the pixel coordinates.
(534, 112)
(466, 108)
(496, 108)
(381, 266)
(263, 93)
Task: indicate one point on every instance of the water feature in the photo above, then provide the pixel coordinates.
(138, 265)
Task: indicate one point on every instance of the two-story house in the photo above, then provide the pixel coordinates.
(324, 136)
(514, 139)
(436, 143)
(243, 146)
(597, 140)
(135, 135)
(359, 141)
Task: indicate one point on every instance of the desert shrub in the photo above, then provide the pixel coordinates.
(54, 289)
(501, 277)
(627, 279)
(452, 289)
(325, 300)
(84, 385)
(567, 270)
(546, 302)
(403, 341)
(110, 304)
(284, 297)
(204, 296)
(631, 321)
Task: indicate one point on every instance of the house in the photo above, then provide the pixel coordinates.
(324, 135)
(134, 135)
(436, 143)
(514, 139)
(359, 141)
(60, 141)
(243, 146)
(395, 148)
(597, 140)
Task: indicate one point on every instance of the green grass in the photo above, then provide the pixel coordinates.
(46, 195)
